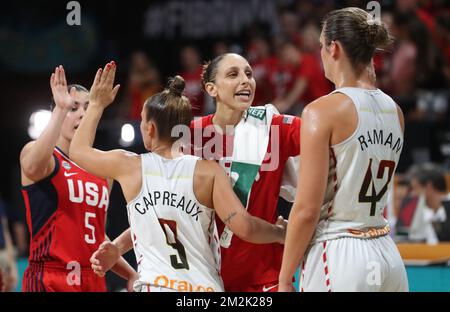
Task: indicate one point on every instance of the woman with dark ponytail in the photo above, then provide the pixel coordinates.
(171, 198)
(351, 141)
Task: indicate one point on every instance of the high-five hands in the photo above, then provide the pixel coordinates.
(58, 84)
(102, 92)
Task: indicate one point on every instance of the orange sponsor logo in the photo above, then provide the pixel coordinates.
(371, 232)
(180, 285)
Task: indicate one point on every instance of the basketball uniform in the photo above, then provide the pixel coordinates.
(174, 237)
(66, 218)
(248, 267)
(351, 249)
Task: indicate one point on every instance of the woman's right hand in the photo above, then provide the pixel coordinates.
(103, 92)
(61, 95)
(104, 258)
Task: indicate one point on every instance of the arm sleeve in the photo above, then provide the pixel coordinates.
(290, 134)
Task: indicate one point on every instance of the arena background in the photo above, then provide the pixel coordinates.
(35, 37)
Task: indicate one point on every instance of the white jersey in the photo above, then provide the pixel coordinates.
(361, 170)
(174, 237)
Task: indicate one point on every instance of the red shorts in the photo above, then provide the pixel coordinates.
(267, 287)
(41, 278)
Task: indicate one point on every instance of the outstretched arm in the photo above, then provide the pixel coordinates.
(109, 164)
(315, 137)
(36, 158)
(235, 216)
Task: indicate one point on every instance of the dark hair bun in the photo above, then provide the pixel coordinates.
(378, 35)
(176, 85)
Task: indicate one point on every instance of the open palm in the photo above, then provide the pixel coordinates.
(103, 92)
(58, 84)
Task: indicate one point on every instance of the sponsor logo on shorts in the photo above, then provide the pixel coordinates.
(266, 289)
(180, 285)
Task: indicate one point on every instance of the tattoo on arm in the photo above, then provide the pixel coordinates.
(230, 216)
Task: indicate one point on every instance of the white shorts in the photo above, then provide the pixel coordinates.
(354, 264)
(139, 287)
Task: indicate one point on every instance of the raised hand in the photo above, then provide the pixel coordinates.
(102, 91)
(58, 84)
(104, 258)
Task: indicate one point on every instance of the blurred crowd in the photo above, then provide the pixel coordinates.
(288, 70)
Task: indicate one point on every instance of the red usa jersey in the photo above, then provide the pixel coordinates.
(245, 264)
(66, 214)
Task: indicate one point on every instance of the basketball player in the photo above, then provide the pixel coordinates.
(65, 205)
(229, 80)
(172, 198)
(351, 141)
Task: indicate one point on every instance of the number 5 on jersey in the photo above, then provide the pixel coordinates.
(89, 239)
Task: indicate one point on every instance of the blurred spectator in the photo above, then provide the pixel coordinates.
(220, 47)
(259, 57)
(8, 265)
(305, 78)
(401, 192)
(430, 222)
(408, 192)
(144, 81)
(442, 36)
(282, 76)
(191, 73)
(416, 62)
(401, 77)
(290, 28)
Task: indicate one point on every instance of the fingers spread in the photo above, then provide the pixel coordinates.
(105, 73)
(115, 90)
(56, 76)
(98, 76)
(63, 76)
(52, 80)
(59, 71)
(112, 74)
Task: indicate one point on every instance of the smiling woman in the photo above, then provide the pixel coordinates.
(256, 177)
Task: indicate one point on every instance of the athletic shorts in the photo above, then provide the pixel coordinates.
(39, 277)
(267, 287)
(354, 264)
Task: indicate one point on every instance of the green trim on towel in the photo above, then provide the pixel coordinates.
(246, 174)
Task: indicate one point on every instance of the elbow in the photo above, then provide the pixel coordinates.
(75, 154)
(305, 214)
(34, 171)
